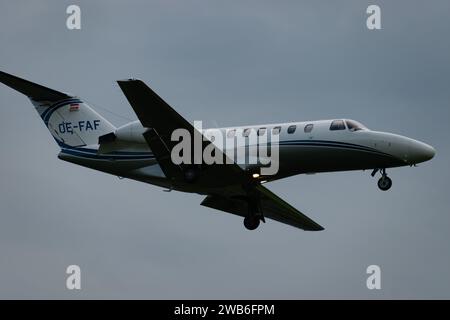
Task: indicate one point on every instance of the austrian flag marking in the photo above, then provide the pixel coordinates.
(74, 107)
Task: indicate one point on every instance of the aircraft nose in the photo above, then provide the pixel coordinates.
(420, 152)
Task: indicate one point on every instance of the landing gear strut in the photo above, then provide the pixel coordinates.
(384, 183)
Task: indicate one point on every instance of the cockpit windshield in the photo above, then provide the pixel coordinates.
(353, 125)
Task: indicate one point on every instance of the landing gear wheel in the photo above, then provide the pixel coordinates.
(385, 183)
(251, 223)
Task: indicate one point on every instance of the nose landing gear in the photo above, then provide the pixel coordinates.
(384, 183)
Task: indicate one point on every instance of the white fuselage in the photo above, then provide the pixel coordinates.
(310, 150)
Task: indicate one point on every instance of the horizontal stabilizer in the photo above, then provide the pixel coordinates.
(32, 90)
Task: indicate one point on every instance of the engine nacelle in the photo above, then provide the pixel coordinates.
(131, 132)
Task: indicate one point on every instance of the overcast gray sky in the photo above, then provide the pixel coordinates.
(230, 63)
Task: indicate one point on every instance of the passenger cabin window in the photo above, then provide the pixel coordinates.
(276, 130)
(261, 131)
(246, 132)
(337, 125)
(231, 133)
(308, 128)
(291, 129)
(354, 126)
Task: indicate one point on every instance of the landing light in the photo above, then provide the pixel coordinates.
(256, 175)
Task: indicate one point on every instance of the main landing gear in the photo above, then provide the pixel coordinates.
(384, 183)
(251, 222)
(255, 214)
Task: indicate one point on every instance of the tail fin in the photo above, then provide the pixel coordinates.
(70, 121)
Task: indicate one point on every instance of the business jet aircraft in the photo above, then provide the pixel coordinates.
(140, 150)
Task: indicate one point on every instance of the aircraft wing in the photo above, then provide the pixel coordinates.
(225, 181)
(155, 114)
(273, 207)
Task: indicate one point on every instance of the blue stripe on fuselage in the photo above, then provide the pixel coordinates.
(333, 144)
(88, 154)
(139, 155)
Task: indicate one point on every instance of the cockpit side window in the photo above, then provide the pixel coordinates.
(337, 125)
(354, 126)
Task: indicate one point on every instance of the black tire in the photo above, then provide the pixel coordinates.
(385, 183)
(251, 223)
